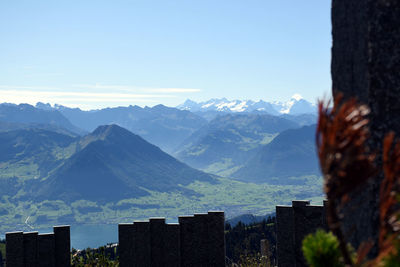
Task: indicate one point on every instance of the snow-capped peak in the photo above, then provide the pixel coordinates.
(297, 97)
(296, 105)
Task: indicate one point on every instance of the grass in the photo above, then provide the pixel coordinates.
(223, 168)
(22, 169)
(234, 197)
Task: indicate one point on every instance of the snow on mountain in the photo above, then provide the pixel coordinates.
(295, 106)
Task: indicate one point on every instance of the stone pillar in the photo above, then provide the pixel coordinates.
(285, 236)
(15, 249)
(142, 244)
(187, 225)
(46, 250)
(30, 249)
(307, 219)
(201, 241)
(157, 239)
(264, 248)
(216, 234)
(62, 243)
(365, 64)
(172, 244)
(126, 244)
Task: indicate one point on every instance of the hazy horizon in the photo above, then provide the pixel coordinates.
(33, 103)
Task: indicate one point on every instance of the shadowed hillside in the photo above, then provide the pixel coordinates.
(230, 140)
(113, 164)
(291, 153)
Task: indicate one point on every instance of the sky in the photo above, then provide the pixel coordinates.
(95, 54)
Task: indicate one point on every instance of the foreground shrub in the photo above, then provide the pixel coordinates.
(322, 250)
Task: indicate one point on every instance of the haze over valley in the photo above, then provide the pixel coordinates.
(64, 165)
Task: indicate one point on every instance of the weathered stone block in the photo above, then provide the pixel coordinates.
(201, 240)
(62, 245)
(31, 249)
(126, 244)
(285, 236)
(187, 237)
(172, 245)
(157, 236)
(142, 244)
(307, 219)
(216, 233)
(15, 249)
(46, 250)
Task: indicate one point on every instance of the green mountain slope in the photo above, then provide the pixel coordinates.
(114, 164)
(33, 153)
(291, 153)
(228, 141)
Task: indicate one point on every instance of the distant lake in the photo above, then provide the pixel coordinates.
(88, 235)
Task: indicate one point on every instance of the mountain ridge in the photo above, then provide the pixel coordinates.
(230, 140)
(113, 163)
(295, 106)
(292, 153)
(163, 126)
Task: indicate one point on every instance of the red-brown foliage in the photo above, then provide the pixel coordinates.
(347, 162)
(345, 159)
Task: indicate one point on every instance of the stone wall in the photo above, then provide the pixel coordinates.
(197, 240)
(36, 250)
(293, 223)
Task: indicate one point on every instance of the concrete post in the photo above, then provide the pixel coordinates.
(285, 236)
(216, 233)
(126, 244)
(201, 241)
(31, 249)
(142, 244)
(307, 219)
(187, 225)
(301, 227)
(46, 250)
(62, 245)
(157, 236)
(15, 249)
(172, 245)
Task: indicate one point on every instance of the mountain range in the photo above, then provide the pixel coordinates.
(222, 145)
(227, 141)
(160, 125)
(66, 165)
(27, 116)
(295, 106)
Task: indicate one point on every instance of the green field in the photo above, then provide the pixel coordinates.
(234, 197)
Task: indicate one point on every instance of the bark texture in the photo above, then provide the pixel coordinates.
(366, 64)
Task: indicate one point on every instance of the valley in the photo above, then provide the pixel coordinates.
(104, 169)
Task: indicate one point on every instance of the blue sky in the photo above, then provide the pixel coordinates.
(94, 54)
